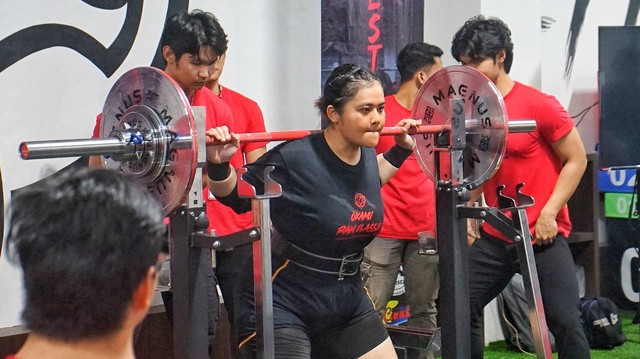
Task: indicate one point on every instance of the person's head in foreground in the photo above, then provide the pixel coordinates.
(88, 242)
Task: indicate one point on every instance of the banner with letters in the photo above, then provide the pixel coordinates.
(369, 33)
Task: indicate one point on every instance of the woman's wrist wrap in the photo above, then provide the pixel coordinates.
(218, 171)
(396, 155)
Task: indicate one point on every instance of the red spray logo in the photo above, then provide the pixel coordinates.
(360, 200)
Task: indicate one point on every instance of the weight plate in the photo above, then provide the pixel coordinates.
(148, 101)
(485, 122)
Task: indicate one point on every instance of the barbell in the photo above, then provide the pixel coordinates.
(148, 131)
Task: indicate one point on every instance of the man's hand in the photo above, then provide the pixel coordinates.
(546, 229)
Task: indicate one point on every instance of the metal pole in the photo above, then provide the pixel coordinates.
(452, 234)
(537, 318)
(265, 339)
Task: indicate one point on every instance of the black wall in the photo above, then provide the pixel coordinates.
(619, 80)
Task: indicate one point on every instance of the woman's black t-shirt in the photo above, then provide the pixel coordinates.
(327, 207)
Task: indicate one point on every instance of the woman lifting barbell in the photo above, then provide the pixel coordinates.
(330, 209)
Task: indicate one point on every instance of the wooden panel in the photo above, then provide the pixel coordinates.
(584, 209)
(154, 339)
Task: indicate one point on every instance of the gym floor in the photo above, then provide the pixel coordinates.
(629, 350)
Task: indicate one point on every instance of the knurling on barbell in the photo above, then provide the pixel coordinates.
(148, 131)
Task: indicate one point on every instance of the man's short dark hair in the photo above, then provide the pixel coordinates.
(414, 57)
(85, 240)
(483, 38)
(191, 32)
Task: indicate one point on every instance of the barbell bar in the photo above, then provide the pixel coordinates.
(147, 130)
(122, 143)
(519, 126)
(121, 146)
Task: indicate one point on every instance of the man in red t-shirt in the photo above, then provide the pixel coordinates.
(190, 62)
(409, 206)
(247, 118)
(191, 70)
(550, 162)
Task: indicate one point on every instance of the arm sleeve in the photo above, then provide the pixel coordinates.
(553, 120)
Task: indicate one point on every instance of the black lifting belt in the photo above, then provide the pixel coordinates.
(342, 267)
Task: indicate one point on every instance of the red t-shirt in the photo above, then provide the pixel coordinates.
(529, 157)
(247, 118)
(217, 112)
(409, 197)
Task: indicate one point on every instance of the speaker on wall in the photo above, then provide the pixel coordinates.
(619, 82)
